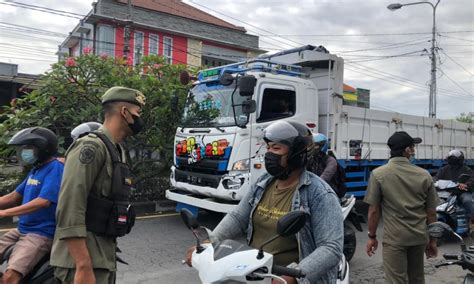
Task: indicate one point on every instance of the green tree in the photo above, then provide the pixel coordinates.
(70, 94)
(466, 117)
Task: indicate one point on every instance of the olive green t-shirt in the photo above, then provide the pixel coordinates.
(404, 192)
(275, 203)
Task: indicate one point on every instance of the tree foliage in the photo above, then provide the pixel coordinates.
(466, 117)
(70, 95)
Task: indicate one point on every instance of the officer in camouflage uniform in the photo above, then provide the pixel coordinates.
(79, 254)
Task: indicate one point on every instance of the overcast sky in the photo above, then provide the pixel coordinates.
(364, 32)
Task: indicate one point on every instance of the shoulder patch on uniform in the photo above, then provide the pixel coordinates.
(93, 143)
(87, 154)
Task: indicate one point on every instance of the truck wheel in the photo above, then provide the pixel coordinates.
(350, 242)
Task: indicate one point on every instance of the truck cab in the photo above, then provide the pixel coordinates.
(219, 151)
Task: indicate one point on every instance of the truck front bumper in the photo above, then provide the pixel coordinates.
(203, 202)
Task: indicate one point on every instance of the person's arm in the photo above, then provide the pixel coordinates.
(440, 174)
(432, 201)
(48, 194)
(469, 184)
(328, 233)
(431, 248)
(329, 170)
(373, 197)
(10, 200)
(235, 222)
(78, 250)
(373, 223)
(32, 206)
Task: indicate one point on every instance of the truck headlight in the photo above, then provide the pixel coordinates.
(242, 165)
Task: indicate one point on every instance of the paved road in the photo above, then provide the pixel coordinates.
(156, 247)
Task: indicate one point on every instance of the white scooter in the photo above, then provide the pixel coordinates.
(230, 261)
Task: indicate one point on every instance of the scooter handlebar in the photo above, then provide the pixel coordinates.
(451, 256)
(448, 263)
(282, 270)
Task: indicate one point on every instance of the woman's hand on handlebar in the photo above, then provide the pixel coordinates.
(288, 279)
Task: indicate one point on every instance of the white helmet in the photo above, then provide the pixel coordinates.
(84, 128)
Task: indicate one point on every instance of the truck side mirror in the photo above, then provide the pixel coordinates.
(249, 106)
(247, 85)
(185, 78)
(226, 79)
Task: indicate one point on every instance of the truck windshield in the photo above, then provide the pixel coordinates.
(210, 105)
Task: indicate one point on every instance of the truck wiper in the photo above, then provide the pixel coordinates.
(220, 129)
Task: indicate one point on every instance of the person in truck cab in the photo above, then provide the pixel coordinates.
(288, 186)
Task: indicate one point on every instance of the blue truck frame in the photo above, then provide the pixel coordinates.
(358, 171)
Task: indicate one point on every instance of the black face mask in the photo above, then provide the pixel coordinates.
(274, 167)
(454, 161)
(137, 125)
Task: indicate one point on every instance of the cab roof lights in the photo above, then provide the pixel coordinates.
(263, 65)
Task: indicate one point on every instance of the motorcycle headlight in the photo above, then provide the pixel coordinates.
(242, 165)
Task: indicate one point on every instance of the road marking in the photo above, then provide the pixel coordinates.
(138, 218)
(157, 216)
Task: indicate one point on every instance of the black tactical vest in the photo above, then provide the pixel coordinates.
(112, 216)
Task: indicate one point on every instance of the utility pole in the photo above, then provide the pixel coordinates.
(81, 39)
(432, 101)
(433, 66)
(127, 30)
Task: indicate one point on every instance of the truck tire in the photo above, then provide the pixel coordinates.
(350, 242)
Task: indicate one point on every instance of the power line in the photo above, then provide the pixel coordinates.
(461, 39)
(43, 9)
(205, 7)
(399, 78)
(27, 58)
(454, 82)
(399, 82)
(363, 35)
(33, 29)
(455, 62)
(390, 46)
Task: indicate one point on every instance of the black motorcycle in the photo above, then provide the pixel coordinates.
(465, 259)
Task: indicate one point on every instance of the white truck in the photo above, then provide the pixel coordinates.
(219, 149)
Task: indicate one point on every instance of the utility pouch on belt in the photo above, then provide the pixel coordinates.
(112, 216)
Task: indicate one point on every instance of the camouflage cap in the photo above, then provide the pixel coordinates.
(123, 94)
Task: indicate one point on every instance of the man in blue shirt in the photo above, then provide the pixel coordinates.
(34, 201)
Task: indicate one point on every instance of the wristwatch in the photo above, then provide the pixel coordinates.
(371, 236)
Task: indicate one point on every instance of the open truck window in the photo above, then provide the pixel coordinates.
(276, 104)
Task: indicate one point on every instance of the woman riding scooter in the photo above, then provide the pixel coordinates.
(317, 248)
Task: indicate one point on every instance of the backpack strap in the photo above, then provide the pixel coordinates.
(110, 147)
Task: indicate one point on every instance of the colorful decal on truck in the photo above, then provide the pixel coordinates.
(197, 151)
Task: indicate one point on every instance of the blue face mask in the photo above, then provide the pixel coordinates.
(28, 156)
(412, 158)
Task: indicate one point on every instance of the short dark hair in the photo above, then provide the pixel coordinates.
(109, 108)
(399, 152)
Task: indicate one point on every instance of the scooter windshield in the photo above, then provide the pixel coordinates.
(210, 105)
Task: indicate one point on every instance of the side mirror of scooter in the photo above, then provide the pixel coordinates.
(188, 218)
(291, 223)
(443, 230)
(191, 222)
(287, 225)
